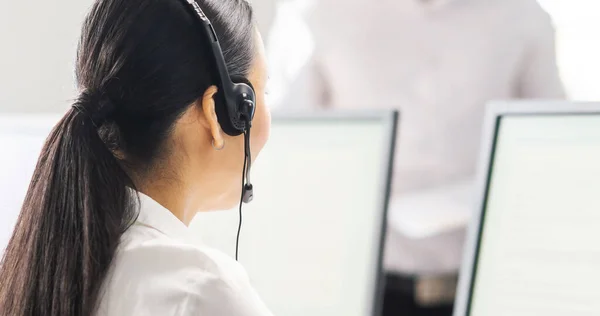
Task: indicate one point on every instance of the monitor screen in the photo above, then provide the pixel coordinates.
(311, 238)
(539, 250)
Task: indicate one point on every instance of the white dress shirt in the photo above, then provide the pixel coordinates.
(439, 62)
(160, 270)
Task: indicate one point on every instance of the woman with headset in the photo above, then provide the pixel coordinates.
(160, 131)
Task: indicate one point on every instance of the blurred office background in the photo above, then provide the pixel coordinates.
(39, 47)
(575, 23)
(39, 39)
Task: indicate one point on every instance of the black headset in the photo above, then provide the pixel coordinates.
(236, 116)
(239, 99)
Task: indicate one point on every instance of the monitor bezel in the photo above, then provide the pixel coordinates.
(495, 111)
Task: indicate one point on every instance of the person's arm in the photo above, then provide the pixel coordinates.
(540, 78)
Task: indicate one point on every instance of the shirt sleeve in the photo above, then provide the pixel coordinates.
(540, 78)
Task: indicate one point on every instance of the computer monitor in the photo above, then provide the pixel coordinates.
(534, 246)
(311, 239)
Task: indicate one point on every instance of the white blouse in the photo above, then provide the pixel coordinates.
(160, 270)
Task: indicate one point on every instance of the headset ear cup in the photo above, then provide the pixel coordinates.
(231, 116)
(223, 116)
(249, 90)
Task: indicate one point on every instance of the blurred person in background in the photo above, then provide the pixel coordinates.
(439, 62)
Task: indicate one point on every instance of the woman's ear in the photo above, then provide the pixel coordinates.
(208, 107)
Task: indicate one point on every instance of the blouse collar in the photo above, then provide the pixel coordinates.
(154, 215)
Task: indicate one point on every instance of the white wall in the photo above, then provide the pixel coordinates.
(577, 27)
(38, 41)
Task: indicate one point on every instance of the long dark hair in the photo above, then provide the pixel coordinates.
(140, 64)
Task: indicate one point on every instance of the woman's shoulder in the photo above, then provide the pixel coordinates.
(155, 274)
(158, 251)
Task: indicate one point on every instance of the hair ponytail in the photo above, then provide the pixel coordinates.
(75, 210)
(151, 58)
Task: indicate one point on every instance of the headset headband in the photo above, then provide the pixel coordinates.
(239, 98)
